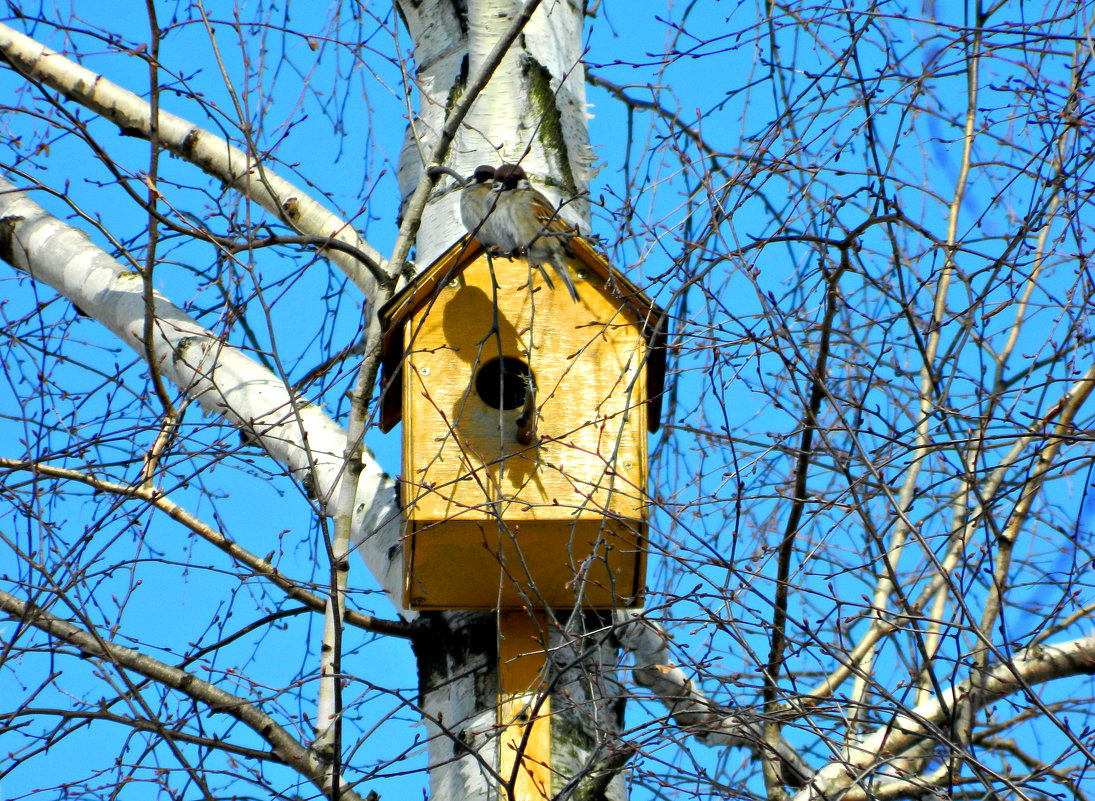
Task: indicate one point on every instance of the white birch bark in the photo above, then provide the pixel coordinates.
(687, 704)
(1025, 670)
(294, 432)
(225, 382)
(374, 522)
(235, 168)
(533, 110)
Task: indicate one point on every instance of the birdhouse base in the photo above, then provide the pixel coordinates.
(593, 563)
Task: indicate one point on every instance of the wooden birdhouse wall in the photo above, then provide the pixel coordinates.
(498, 524)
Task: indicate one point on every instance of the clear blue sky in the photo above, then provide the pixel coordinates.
(196, 593)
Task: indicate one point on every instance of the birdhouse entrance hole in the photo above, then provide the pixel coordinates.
(503, 383)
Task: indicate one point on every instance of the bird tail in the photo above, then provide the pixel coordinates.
(561, 268)
(554, 256)
(543, 272)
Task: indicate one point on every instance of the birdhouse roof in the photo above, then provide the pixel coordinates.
(424, 288)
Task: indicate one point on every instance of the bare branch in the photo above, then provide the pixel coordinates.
(691, 709)
(1028, 669)
(287, 750)
(259, 566)
(244, 172)
(293, 431)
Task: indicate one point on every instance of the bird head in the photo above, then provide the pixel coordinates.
(484, 174)
(509, 176)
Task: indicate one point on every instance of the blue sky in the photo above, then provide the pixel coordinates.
(337, 129)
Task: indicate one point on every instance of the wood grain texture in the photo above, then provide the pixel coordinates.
(524, 712)
(477, 498)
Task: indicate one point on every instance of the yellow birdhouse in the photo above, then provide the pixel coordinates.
(524, 431)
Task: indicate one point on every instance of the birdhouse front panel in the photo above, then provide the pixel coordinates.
(525, 460)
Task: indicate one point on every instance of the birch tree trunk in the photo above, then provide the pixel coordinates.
(532, 111)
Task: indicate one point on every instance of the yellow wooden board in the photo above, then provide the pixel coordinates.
(587, 359)
(464, 564)
(475, 497)
(589, 264)
(524, 711)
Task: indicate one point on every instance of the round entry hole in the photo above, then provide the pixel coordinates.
(501, 383)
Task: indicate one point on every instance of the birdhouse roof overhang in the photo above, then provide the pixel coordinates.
(424, 289)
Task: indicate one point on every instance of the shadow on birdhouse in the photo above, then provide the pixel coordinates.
(524, 431)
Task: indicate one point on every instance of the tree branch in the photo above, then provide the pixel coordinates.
(241, 171)
(287, 750)
(259, 566)
(689, 706)
(296, 433)
(1033, 666)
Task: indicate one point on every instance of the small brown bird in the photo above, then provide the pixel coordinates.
(476, 200)
(473, 201)
(524, 221)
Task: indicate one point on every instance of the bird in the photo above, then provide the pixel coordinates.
(476, 201)
(473, 200)
(521, 220)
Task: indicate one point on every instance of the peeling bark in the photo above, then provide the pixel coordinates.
(533, 111)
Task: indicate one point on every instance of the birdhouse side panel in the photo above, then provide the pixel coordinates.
(589, 362)
(436, 384)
